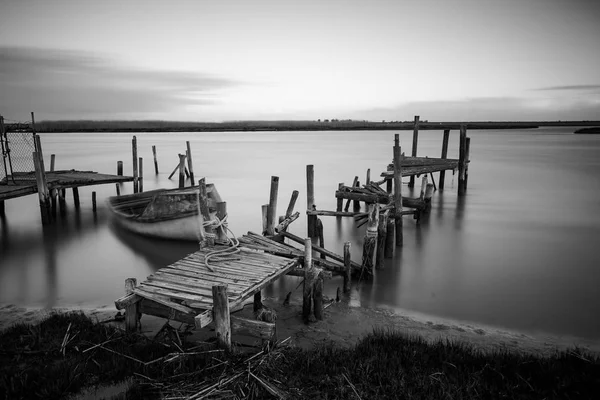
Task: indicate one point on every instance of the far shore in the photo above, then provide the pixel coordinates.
(89, 126)
(344, 326)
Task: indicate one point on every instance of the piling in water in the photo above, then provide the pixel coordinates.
(444, 156)
(135, 164)
(155, 160)
(415, 143)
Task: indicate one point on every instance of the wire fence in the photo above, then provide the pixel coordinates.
(17, 159)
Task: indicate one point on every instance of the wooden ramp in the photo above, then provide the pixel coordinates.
(23, 183)
(182, 291)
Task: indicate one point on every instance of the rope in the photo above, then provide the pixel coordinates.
(225, 253)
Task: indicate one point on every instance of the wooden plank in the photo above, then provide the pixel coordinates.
(213, 275)
(180, 275)
(185, 297)
(123, 302)
(165, 301)
(150, 307)
(188, 282)
(230, 268)
(320, 249)
(259, 329)
(209, 278)
(258, 286)
(262, 259)
(176, 287)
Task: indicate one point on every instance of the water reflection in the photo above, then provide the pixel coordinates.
(49, 237)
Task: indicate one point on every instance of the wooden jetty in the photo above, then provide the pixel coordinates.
(24, 183)
(22, 172)
(189, 289)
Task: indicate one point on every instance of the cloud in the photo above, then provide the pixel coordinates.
(571, 87)
(491, 109)
(76, 84)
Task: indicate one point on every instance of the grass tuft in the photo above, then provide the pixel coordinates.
(57, 357)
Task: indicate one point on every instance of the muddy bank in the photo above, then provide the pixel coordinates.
(343, 325)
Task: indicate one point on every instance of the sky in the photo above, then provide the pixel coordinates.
(220, 60)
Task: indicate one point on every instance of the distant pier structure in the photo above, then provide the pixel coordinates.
(24, 172)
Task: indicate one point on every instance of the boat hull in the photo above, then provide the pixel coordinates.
(163, 213)
(187, 228)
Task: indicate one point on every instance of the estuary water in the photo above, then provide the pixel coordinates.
(520, 251)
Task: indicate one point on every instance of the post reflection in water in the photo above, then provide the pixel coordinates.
(49, 235)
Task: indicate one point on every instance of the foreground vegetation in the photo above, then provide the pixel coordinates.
(68, 352)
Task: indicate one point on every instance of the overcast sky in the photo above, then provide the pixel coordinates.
(231, 60)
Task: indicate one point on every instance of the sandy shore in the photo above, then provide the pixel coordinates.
(344, 326)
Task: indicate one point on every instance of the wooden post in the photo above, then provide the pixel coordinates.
(356, 203)
(189, 160)
(76, 197)
(42, 186)
(310, 203)
(348, 201)
(221, 214)
(444, 156)
(390, 237)
(370, 241)
(181, 170)
(398, 190)
(118, 189)
(340, 201)
(467, 160)
(221, 316)
(389, 185)
(272, 210)
(52, 160)
(368, 180)
(428, 196)
(414, 147)
(381, 239)
(321, 237)
(94, 201)
(292, 204)
(265, 211)
(155, 160)
(132, 311)
(141, 175)
(120, 168)
(462, 159)
(307, 289)
(348, 266)
(257, 301)
(318, 298)
(423, 186)
(203, 204)
(135, 164)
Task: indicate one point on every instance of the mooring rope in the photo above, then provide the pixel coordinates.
(226, 253)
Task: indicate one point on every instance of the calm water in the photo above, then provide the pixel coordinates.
(520, 251)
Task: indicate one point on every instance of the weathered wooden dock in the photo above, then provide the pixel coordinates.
(24, 183)
(185, 291)
(22, 172)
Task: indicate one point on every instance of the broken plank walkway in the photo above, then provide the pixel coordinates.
(182, 291)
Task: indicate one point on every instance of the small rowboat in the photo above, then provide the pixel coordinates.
(163, 213)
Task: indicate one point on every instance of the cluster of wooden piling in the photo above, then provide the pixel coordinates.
(383, 216)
